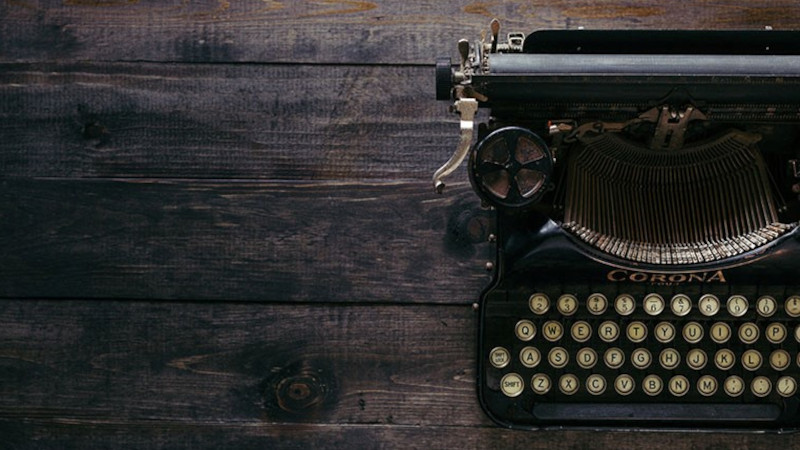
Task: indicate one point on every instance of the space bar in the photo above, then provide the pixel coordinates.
(656, 411)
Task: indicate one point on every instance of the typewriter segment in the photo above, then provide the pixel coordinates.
(646, 190)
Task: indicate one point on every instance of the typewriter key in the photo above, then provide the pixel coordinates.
(595, 384)
(624, 304)
(669, 358)
(775, 332)
(696, 359)
(530, 357)
(707, 385)
(586, 358)
(581, 331)
(733, 386)
(499, 357)
(540, 383)
(539, 303)
(692, 332)
(797, 333)
(568, 384)
(567, 304)
(786, 386)
(552, 330)
(558, 357)
(511, 385)
(597, 304)
(641, 358)
(680, 305)
(608, 331)
(792, 306)
(751, 360)
(708, 305)
(720, 332)
(624, 384)
(724, 359)
(678, 385)
(615, 358)
(779, 359)
(636, 331)
(748, 333)
(652, 385)
(737, 305)
(525, 330)
(653, 304)
(665, 332)
(766, 306)
(761, 386)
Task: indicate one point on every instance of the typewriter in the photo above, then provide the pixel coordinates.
(645, 187)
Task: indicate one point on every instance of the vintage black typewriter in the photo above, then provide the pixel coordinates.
(646, 193)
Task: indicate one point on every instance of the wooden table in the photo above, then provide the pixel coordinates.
(218, 228)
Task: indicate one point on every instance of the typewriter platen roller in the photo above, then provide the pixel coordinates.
(648, 255)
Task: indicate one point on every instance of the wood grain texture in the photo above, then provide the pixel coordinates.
(221, 240)
(142, 374)
(330, 31)
(276, 122)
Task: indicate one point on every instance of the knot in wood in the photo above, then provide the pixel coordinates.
(300, 393)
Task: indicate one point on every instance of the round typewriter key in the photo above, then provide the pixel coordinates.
(733, 386)
(624, 384)
(540, 383)
(525, 330)
(597, 304)
(797, 333)
(608, 331)
(737, 305)
(779, 359)
(614, 358)
(581, 331)
(761, 386)
(669, 358)
(692, 332)
(707, 385)
(766, 306)
(724, 359)
(624, 304)
(720, 332)
(665, 332)
(552, 330)
(786, 386)
(511, 385)
(653, 304)
(775, 332)
(678, 385)
(696, 359)
(641, 358)
(567, 304)
(751, 360)
(586, 358)
(568, 384)
(499, 357)
(680, 305)
(748, 333)
(539, 303)
(708, 305)
(652, 385)
(595, 384)
(636, 331)
(530, 357)
(558, 357)
(792, 306)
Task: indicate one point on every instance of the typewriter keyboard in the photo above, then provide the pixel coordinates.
(646, 348)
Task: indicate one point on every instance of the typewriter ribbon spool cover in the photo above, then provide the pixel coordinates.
(645, 185)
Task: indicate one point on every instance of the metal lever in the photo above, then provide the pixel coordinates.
(467, 107)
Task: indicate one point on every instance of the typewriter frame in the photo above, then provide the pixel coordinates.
(518, 82)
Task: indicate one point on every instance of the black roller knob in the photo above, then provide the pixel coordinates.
(444, 78)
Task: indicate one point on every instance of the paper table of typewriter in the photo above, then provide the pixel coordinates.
(646, 189)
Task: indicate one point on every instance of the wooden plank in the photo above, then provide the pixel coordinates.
(198, 375)
(222, 240)
(223, 121)
(379, 31)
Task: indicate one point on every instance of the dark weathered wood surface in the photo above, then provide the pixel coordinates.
(217, 228)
